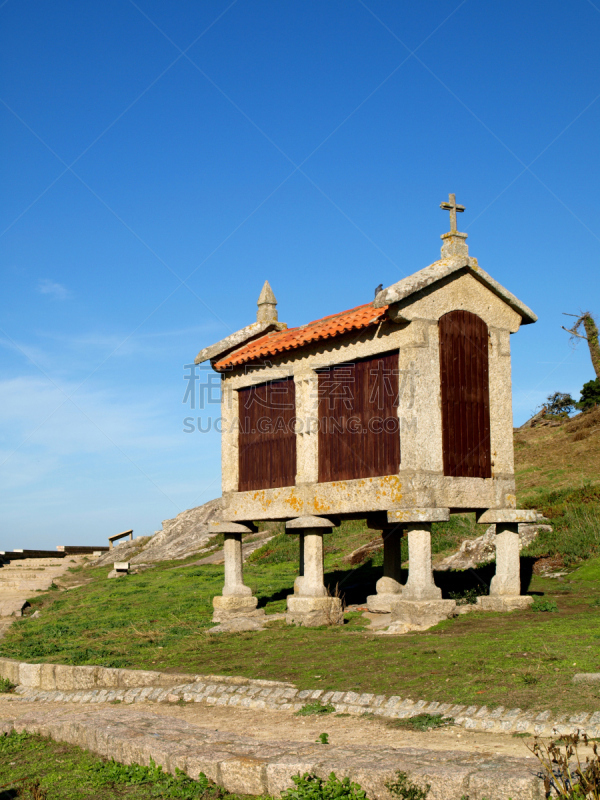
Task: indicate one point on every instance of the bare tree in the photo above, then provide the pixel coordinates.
(588, 323)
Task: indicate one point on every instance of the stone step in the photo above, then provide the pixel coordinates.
(12, 605)
(19, 555)
(25, 574)
(35, 562)
(23, 586)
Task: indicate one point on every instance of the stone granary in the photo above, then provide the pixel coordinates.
(397, 411)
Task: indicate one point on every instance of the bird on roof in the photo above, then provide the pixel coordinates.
(378, 289)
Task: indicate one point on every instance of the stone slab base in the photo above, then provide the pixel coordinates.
(586, 677)
(312, 612)
(382, 603)
(230, 607)
(244, 765)
(422, 613)
(238, 624)
(504, 603)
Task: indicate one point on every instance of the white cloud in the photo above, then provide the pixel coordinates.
(42, 430)
(56, 290)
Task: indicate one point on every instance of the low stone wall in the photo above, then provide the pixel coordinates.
(243, 765)
(66, 678)
(60, 683)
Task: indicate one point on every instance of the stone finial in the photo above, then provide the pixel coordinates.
(267, 305)
(454, 242)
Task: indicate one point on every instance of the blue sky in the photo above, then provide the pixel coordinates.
(161, 160)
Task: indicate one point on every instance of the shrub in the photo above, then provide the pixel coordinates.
(542, 604)
(405, 789)
(590, 395)
(180, 785)
(559, 404)
(423, 722)
(12, 742)
(575, 518)
(468, 597)
(566, 774)
(6, 686)
(311, 787)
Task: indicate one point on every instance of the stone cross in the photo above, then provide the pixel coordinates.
(452, 207)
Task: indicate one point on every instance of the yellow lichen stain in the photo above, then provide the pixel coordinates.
(262, 498)
(294, 502)
(392, 486)
(319, 507)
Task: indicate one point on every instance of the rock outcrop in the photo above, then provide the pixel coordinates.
(183, 536)
(478, 551)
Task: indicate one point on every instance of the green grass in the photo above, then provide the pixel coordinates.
(35, 767)
(352, 534)
(422, 722)
(158, 619)
(575, 518)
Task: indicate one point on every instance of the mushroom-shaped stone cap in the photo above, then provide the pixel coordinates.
(309, 522)
(228, 527)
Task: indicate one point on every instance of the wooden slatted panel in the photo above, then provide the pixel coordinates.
(359, 432)
(267, 442)
(465, 395)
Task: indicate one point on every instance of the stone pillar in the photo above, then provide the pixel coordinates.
(300, 578)
(389, 587)
(421, 605)
(507, 580)
(420, 584)
(310, 605)
(505, 588)
(234, 567)
(236, 600)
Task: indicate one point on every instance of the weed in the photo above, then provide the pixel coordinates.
(67, 772)
(403, 788)
(565, 772)
(315, 708)
(530, 680)
(543, 604)
(115, 702)
(468, 596)
(323, 738)
(311, 787)
(12, 742)
(180, 785)
(575, 518)
(6, 686)
(423, 722)
(36, 792)
(520, 735)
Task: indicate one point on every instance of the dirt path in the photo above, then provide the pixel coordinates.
(272, 726)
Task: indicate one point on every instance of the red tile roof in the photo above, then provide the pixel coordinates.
(291, 339)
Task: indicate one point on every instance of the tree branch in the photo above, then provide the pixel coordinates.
(568, 330)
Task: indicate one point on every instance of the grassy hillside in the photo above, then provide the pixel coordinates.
(160, 618)
(549, 459)
(557, 471)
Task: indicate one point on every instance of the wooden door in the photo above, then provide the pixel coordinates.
(359, 431)
(465, 395)
(267, 440)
